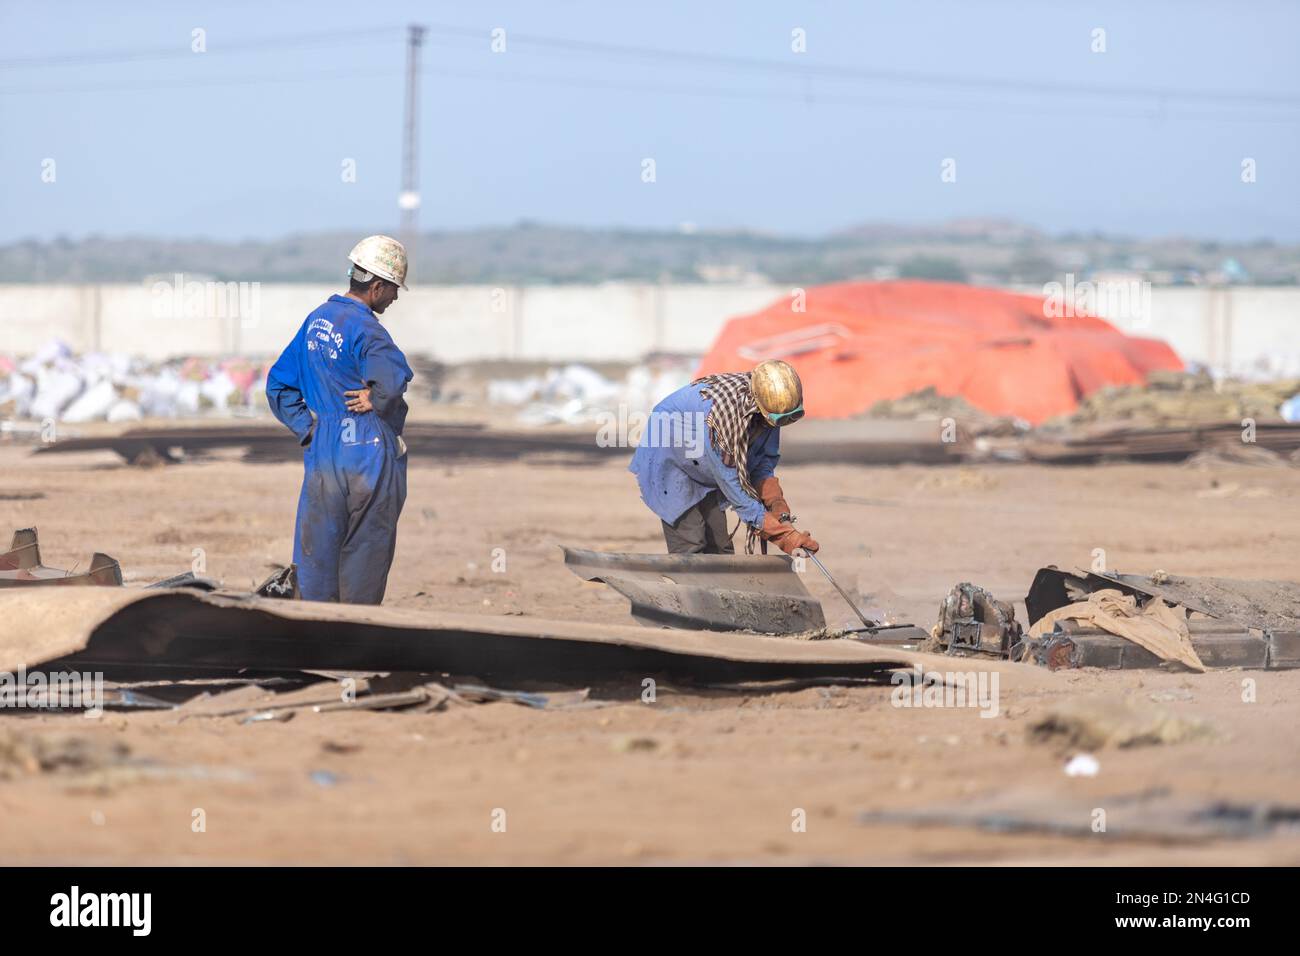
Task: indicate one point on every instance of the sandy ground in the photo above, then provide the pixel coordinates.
(696, 777)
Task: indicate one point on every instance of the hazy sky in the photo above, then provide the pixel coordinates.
(249, 139)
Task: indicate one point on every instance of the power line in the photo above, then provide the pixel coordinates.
(183, 49)
(629, 52)
(811, 98)
(850, 73)
(601, 84)
(163, 86)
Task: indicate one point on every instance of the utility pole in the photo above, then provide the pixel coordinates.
(409, 199)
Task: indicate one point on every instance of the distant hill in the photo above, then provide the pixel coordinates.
(977, 250)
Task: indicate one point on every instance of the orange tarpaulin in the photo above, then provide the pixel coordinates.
(857, 343)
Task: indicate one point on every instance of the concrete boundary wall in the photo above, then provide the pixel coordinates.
(1240, 328)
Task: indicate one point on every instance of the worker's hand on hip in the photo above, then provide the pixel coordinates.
(359, 400)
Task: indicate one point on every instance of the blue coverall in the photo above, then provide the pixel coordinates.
(354, 483)
(676, 465)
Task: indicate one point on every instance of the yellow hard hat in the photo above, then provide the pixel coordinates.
(381, 256)
(777, 391)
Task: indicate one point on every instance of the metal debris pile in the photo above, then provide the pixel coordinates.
(1127, 621)
(719, 621)
(1278, 442)
(1252, 624)
(1170, 399)
(928, 405)
(21, 566)
(188, 645)
(1081, 619)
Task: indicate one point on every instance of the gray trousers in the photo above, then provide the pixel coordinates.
(701, 530)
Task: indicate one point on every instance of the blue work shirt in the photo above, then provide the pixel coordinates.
(341, 347)
(676, 465)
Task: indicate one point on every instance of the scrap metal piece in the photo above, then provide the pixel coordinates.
(186, 633)
(21, 567)
(1283, 648)
(1157, 444)
(187, 579)
(1057, 651)
(127, 698)
(24, 552)
(1256, 622)
(891, 635)
(1257, 603)
(394, 701)
(539, 701)
(717, 592)
(1266, 605)
(1215, 644)
(973, 621)
(281, 584)
(1053, 588)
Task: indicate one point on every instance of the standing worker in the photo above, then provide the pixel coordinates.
(714, 444)
(338, 387)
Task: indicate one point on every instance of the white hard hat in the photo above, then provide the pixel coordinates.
(381, 256)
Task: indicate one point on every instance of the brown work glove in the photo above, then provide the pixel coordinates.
(787, 538)
(773, 498)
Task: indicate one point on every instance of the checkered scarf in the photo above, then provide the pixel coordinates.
(730, 420)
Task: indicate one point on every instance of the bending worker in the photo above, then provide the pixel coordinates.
(714, 445)
(338, 387)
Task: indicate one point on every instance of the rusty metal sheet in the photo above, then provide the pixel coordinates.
(24, 552)
(1284, 649)
(716, 592)
(1267, 605)
(21, 567)
(1156, 444)
(1216, 646)
(1256, 623)
(1264, 605)
(187, 579)
(192, 633)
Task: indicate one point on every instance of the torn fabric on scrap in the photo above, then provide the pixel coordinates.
(1156, 626)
